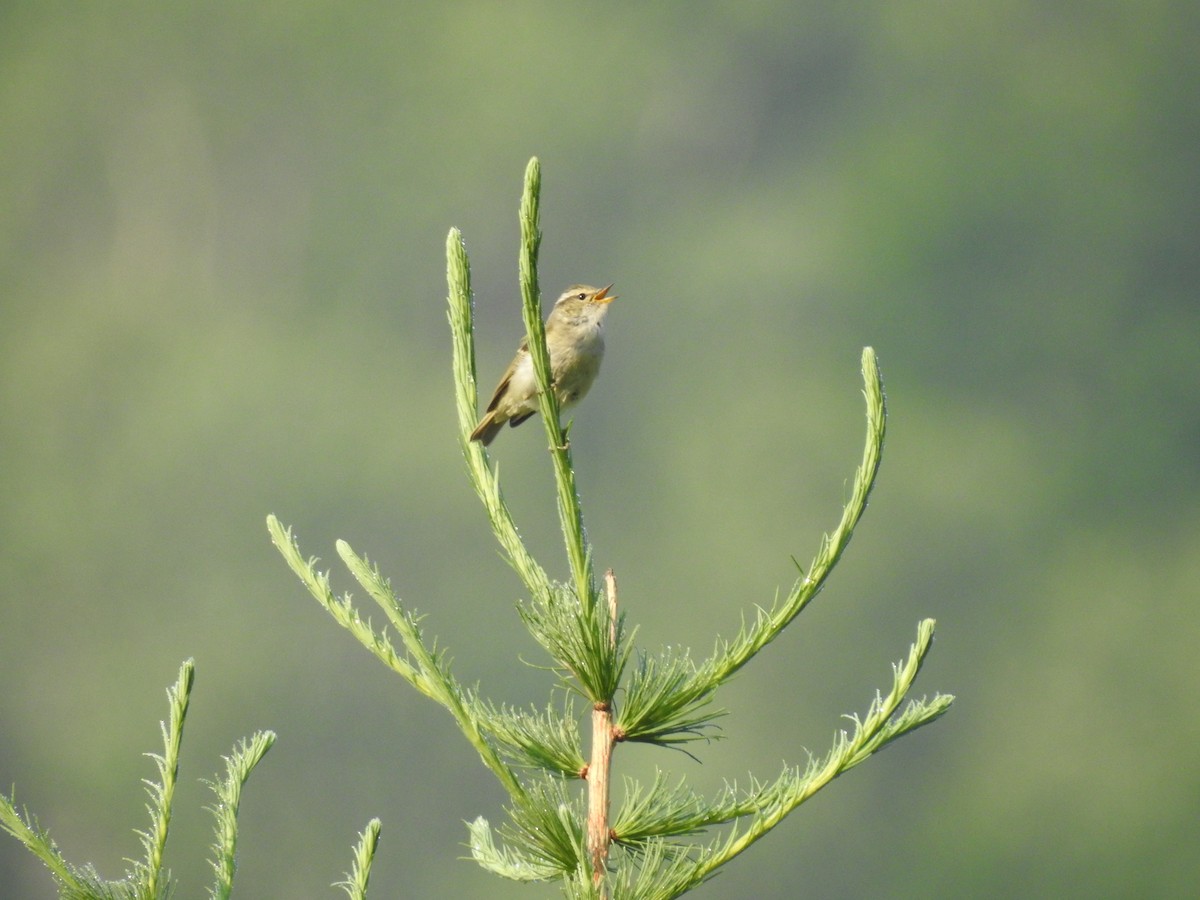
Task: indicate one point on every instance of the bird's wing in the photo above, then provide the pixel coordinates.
(502, 387)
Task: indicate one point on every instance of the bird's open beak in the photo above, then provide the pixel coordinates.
(603, 296)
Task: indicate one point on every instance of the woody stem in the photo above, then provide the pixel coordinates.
(603, 739)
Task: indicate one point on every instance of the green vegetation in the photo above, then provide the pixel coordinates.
(649, 848)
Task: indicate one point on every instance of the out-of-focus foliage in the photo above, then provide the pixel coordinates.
(221, 295)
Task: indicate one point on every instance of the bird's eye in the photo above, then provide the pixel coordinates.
(583, 296)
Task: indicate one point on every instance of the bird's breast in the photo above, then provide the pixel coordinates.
(575, 366)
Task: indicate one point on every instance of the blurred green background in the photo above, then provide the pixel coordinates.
(222, 295)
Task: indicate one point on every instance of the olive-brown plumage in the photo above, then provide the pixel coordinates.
(575, 339)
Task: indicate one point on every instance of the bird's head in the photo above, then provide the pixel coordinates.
(582, 302)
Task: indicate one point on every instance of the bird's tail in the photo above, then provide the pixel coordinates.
(487, 429)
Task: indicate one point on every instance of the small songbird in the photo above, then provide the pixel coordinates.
(575, 339)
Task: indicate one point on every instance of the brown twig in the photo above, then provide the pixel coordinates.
(603, 738)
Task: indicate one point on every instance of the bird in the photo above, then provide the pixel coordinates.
(575, 339)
